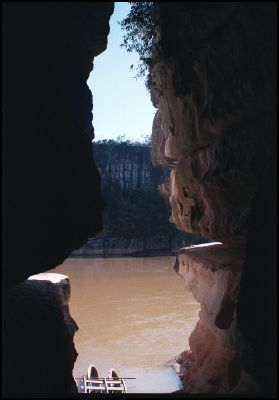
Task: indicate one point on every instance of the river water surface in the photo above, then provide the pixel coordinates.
(134, 315)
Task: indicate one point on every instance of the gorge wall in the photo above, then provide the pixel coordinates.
(129, 184)
(213, 82)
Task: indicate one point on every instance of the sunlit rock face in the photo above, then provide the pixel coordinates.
(213, 80)
(212, 272)
(213, 123)
(52, 200)
(39, 351)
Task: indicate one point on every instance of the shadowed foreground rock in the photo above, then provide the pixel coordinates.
(52, 201)
(38, 347)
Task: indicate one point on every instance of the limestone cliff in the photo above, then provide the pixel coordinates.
(129, 184)
(213, 79)
(126, 166)
(212, 272)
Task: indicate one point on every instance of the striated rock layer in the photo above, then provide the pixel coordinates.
(213, 80)
(129, 188)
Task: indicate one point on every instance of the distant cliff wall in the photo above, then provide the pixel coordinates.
(135, 216)
(127, 167)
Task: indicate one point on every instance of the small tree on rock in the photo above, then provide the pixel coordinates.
(139, 28)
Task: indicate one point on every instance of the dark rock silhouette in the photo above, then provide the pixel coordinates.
(52, 187)
(38, 351)
(52, 201)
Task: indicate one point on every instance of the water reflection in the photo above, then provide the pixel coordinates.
(134, 315)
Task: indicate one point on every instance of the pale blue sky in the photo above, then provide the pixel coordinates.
(121, 103)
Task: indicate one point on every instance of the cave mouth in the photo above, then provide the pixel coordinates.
(53, 202)
(125, 294)
(52, 199)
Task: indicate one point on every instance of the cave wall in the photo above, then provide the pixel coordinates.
(51, 199)
(213, 82)
(38, 347)
(52, 194)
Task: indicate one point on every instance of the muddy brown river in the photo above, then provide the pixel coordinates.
(134, 315)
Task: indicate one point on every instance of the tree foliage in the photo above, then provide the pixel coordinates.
(122, 139)
(139, 28)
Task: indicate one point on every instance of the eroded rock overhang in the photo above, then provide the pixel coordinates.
(213, 82)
